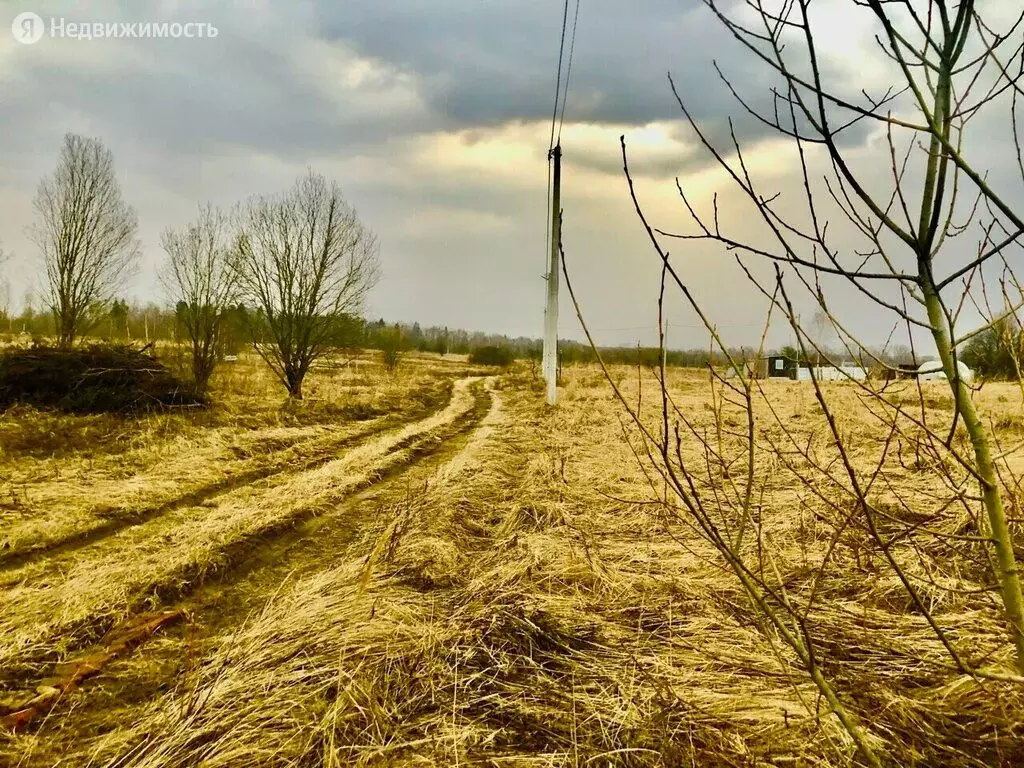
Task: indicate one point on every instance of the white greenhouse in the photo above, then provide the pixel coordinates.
(832, 373)
(932, 371)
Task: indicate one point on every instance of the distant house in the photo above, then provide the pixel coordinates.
(783, 367)
(769, 367)
(906, 371)
(778, 367)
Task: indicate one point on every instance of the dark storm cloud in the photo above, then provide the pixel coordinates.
(490, 63)
(473, 65)
(486, 64)
(192, 97)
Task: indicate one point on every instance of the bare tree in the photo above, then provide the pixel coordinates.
(305, 261)
(953, 544)
(198, 278)
(86, 233)
(821, 329)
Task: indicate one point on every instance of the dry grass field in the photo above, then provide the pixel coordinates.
(435, 569)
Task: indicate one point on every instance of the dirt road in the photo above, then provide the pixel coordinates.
(207, 561)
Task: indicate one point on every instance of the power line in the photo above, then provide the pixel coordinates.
(568, 69)
(550, 352)
(556, 138)
(558, 79)
(654, 327)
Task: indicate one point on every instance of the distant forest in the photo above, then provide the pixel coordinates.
(153, 322)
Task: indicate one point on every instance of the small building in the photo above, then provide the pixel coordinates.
(768, 367)
(777, 367)
(907, 370)
(896, 372)
(783, 367)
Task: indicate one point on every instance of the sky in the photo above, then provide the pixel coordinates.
(435, 119)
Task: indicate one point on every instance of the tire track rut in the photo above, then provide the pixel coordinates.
(406, 447)
(83, 538)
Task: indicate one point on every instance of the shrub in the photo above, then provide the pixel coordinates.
(99, 378)
(392, 347)
(491, 355)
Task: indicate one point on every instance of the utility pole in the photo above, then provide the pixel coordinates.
(550, 360)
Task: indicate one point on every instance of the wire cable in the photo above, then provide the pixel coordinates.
(568, 70)
(558, 79)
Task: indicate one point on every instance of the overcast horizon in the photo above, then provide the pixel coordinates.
(435, 119)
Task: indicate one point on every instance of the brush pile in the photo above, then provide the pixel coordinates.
(492, 355)
(98, 378)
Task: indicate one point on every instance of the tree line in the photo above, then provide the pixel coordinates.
(285, 274)
(289, 270)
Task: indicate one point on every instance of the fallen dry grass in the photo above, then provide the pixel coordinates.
(509, 616)
(65, 476)
(535, 605)
(48, 607)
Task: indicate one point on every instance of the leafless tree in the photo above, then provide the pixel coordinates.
(953, 544)
(198, 278)
(304, 261)
(86, 233)
(821, 328)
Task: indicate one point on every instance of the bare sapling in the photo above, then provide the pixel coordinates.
(889, 513)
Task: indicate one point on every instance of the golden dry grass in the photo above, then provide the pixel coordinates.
(100, 584)
(531, 606)
(62, 476)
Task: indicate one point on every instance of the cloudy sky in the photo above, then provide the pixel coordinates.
(435, 117)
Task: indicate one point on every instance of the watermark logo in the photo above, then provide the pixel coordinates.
(28, 28)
